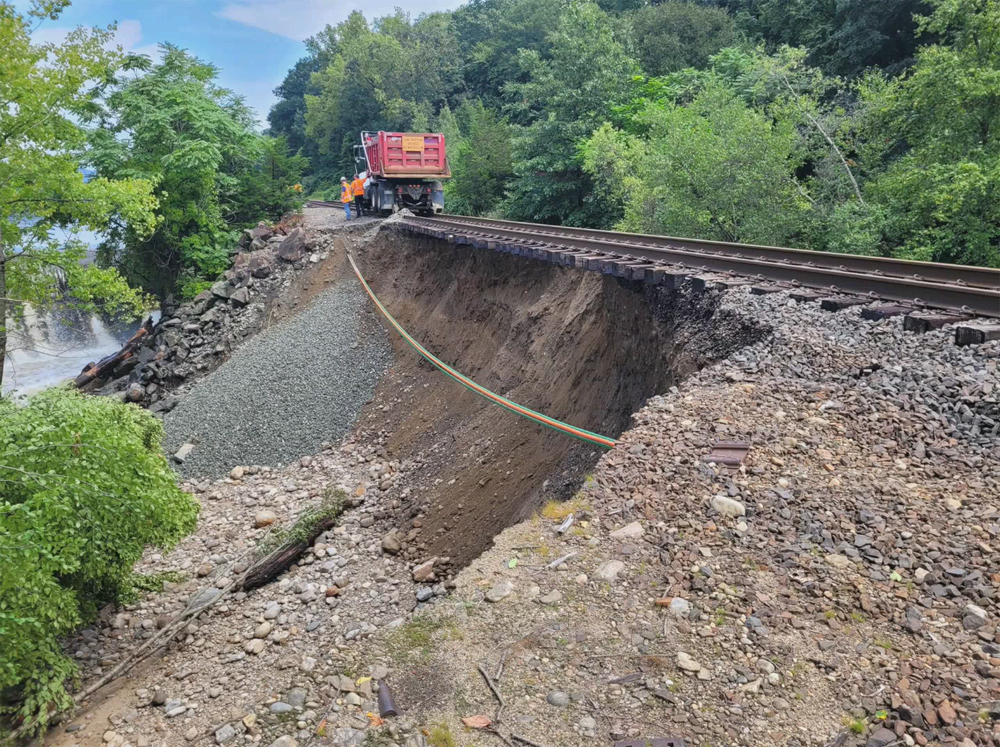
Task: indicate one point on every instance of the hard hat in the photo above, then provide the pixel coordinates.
(343, 178)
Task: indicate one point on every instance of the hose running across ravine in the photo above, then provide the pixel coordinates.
(558, 425)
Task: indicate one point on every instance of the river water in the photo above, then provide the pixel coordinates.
(52, 347)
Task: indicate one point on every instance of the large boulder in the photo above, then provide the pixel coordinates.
(261, 264)
(262, 232)
(293, 246)
(222, 289)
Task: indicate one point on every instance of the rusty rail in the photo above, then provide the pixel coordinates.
(969, 290)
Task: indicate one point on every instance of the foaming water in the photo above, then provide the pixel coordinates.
(51, 347)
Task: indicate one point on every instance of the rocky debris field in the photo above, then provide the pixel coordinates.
(837, 588)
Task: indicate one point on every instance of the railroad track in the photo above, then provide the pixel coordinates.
(323, 203)
(916, 289)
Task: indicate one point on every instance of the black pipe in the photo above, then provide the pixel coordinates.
(386, 705)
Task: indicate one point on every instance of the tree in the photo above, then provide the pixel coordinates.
(391, 75)
(564, 100)
(173, 125)
(936, 134)
(44, 90)
(844, 38)
(84, 489)
(481, 162)
(715, 168)
(673, 36)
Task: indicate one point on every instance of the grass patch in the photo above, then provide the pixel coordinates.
(154, 582)
(414, 642)
(885, 643)
(440, 736)
(559, 510)
(855, 725)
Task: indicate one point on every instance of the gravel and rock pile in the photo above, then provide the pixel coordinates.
(194, 338)
(287, 390)
(840, 587)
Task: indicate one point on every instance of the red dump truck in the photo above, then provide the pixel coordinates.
(403, 170)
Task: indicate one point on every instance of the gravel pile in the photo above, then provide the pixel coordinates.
(286, 391)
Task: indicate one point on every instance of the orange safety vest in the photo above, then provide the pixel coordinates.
(345, 192)
(359, 187)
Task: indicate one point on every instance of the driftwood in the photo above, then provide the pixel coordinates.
(104, 367)
(277, 561)
(279, 553)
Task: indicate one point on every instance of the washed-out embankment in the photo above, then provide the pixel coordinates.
(580, 347)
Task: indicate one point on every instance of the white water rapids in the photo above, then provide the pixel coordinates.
(48, 348)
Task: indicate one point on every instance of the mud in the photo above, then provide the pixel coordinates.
(583, 348)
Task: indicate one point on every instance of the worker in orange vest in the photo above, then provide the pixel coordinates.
(358, 186)
(346, 196)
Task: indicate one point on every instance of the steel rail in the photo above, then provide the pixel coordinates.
(932, 271)
(755, 262)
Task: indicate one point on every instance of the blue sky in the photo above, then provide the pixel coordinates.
(252, 42)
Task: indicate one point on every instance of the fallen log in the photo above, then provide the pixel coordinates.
(106, 365)
(285, 548)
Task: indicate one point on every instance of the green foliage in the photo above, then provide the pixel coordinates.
(44, 90)
(714, 168)
(391, 75)
(565, 99)
(84, 489)
(674, 36)
(481, 161)
(171, 124)
(941, 189)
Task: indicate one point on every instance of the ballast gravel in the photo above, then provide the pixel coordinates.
(287, 390)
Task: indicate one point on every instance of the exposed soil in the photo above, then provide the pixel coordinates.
(580, 347)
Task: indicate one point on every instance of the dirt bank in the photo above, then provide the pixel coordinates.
(580, 347)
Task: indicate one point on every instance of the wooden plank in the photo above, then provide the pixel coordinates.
(925, 321)
(976, 334)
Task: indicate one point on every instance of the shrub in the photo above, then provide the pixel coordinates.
(84, 489)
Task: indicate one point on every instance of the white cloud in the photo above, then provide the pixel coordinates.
(300, 19)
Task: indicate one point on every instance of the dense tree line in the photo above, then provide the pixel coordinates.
(847, 126)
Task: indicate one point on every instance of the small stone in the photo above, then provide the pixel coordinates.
(183, 453)
(352, 699)
(553, 597)
(236, 473)
(629, 531)
(192, 734)
(882, 737)
(679, 607)
(424, 593)
(838, 561)
(780, 704)
(284, 742)
(609, 571)
(255, 647)
(225, 735)
(499, 591)
(686, 663)
(280, 707)
(947, 714)
(424, 571)
(558, 698)
(391, 544)
(175, 712)
(264, 518)
(262, 630)
(727, 506)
